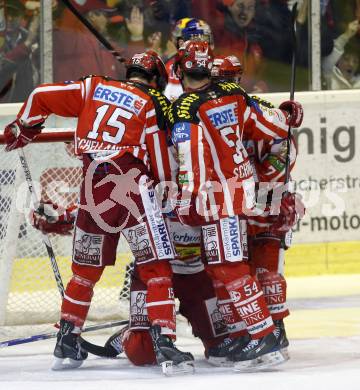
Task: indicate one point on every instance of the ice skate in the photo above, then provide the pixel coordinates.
(171, 360)
(68, 352)
(258, 355)
(219, 355)
(282, 340)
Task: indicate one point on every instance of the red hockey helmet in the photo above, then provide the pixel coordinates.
(227, 68)
(151, 64)
(194, 57)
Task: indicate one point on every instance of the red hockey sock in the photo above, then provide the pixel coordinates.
(235, 325)
(267, 261)
(274, 289)
(249, 300)
(78, 294)
(160, 296)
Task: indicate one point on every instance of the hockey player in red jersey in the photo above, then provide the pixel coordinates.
(122, 139)
(185, 29)
(216, 184)
(269, 235)
(192, 286)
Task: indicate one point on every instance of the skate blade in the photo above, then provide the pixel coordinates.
(220, 361)
(264, 362)
(285, 353)
(169, 368)
(65, 364)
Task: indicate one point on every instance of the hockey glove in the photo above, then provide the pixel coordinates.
(17, 135)
(48, 220)
(295, 112)
(292, 210)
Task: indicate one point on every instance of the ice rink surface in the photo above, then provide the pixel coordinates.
(324, 332)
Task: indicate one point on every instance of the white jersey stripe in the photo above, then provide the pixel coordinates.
(202, 185)
(262, 127)
(151, 113)
(152, 129)
(227, 196)
(158, 156)
(87, 87)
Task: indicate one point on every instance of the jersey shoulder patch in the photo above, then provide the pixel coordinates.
(262, 102)
(185, 108)
(228, 88)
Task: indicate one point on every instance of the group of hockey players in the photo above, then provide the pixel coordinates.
(196, 181)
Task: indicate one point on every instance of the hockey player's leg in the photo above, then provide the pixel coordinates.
(261, 351)
(228, 264)
(199, 305)
(267, 261)
(74, 309)
(161, 313)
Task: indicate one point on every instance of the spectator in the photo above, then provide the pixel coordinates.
(341, 66)
(237, 35)
(18, 73)
(274, 27)
(77, 51)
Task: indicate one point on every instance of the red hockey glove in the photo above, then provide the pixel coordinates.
(292, 210)
(17, 135)
(48, 220)
(295, 111)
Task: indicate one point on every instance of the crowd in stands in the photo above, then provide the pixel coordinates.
(256, 31)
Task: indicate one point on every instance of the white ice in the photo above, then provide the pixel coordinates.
(323, 363)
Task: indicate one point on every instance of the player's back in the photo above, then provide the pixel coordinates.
(219, 110)
(117, 115)
(207, 128)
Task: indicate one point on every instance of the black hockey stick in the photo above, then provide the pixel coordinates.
(292, 90)
(45, 238)
(93, 30)
(46, 336)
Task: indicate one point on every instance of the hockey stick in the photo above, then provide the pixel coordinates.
(46, 336)
(292, 90)
(93, 30)
(45, 238)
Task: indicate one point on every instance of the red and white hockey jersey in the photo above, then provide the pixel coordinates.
(208, 127)
(114, 118)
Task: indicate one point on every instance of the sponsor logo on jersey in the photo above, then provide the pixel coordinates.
(161, 99)
(139, 242)
(223, 116)
(181, 132)
(87, 248)
(211, 244)
(138, 311)
(230, 87)
(230, 232)
(184, 106)
(186, 238)
(158, 228)
(119, 97)
(217, 321)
